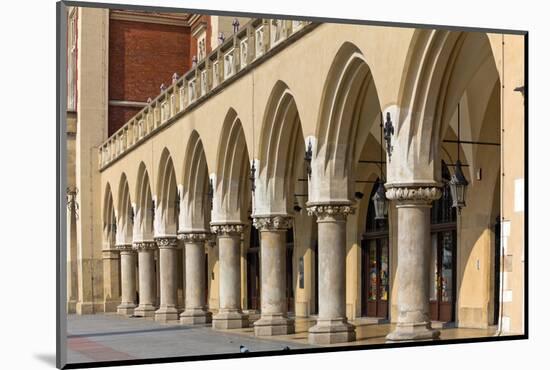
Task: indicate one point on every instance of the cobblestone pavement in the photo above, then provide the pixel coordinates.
(108, 337)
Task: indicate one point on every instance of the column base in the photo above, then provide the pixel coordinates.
(145, 310)
(413, 332)
(331, 331)
(273, 325)
(84, 308)
(166, 313)
(195, 316)
(230, 320)
(126, 309)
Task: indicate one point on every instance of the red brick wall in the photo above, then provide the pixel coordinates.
(142, 56)
(118, 116)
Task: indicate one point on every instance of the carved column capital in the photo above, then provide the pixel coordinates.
(194, 237)
(272, 223)
(413, 195)
(145, 245)
(324, 211)
(126, 247)
(167, 242)
(227, 229)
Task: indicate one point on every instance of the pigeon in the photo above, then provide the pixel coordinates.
(244, 349)
(286, 348)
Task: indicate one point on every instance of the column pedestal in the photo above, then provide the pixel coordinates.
(230, 315)
(332, 326)
(195, 280)
(168, 279)
(413, 253)
(128, 280)
(273, 320)
(147, 283)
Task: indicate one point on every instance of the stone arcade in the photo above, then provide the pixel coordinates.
(216, 161)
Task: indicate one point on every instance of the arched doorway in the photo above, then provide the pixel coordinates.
(375, 265)
(442, 286)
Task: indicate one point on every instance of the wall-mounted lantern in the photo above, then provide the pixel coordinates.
(131, 215)
(253, 177)
(152, 210)
(307, 158)
(211, 193)
(177, 203)
(388, 133)
(458, 186)
(379, 198)
(458, 183)
(380, 201)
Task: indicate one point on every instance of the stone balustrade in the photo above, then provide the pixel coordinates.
(239, 53)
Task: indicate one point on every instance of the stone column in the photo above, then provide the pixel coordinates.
(128, 279)
(413, 256)
(332, 325)
(273, 320)
(111, 283)
(168, 262)
(230, 315)
(147, 283)
(195, 279)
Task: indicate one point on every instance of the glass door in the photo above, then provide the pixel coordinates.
(442, 276)
(375, 277)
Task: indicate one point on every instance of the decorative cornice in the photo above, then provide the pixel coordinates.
(145, 245)
(196, 237)
(167, 242)
(181, 19)
(198, 28)
(227, 229)
(124, 247)
(271, 223)
(330, 210)
(413, 195)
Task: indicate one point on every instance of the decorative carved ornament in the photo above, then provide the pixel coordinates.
(167, 242)
(330, 210)
(124, 247)
(194, 237)
(227, 229)
(414, 195)
(145, 245)
(272, 223)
